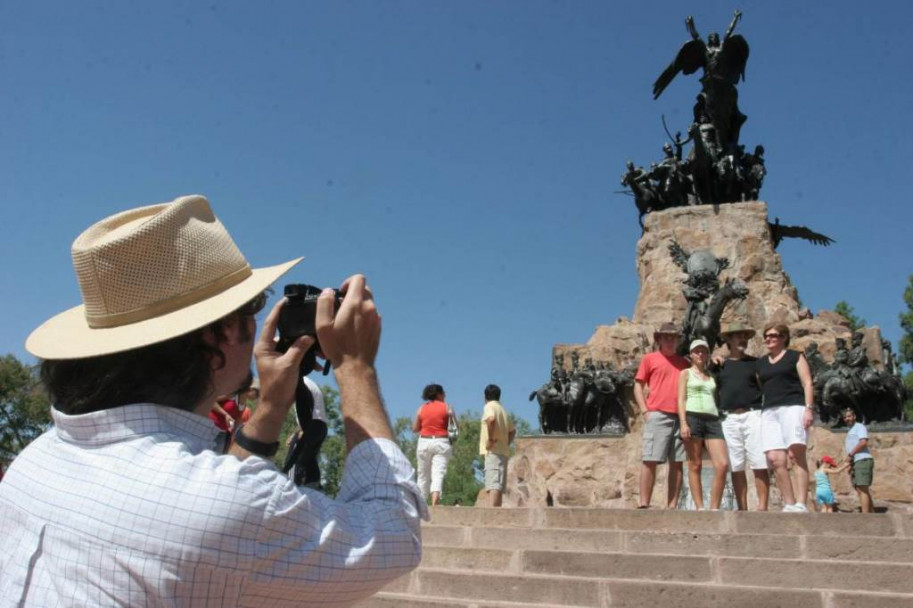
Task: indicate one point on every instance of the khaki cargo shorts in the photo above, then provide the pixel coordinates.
(495, 472)
(662, 439)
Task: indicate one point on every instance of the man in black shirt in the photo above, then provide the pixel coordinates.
(740, 402)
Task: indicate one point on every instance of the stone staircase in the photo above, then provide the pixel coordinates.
(513, 558)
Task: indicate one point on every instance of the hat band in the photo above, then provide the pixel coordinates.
(172, 304)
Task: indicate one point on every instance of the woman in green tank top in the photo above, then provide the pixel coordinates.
(700, 426)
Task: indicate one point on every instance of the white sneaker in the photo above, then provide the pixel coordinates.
(795, 508)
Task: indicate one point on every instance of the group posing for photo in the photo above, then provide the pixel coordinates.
(747, 412)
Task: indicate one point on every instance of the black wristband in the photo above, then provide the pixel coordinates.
(258, 448)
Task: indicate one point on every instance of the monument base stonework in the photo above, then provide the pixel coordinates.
(604, 472)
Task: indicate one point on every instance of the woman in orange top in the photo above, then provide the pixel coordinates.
(434, 449)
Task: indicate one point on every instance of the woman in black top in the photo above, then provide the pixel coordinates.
(786, 413)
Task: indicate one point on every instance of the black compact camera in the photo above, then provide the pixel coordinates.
(297, 318)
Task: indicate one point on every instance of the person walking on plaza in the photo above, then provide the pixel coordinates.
(495, 436)
(129, 499)
(656, 394)
(740, 404)
(859, 458)
(699, 420)
(787, 412)
(433, 451)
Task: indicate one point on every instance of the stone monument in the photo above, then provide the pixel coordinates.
(681, 216)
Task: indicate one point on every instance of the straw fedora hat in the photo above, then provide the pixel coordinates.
(667, 329)
(148, 275)
(731, 328)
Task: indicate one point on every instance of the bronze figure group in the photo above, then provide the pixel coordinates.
(876, 395)
(717, 169)
(588, 399)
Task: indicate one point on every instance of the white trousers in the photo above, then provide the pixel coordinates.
(432, 455)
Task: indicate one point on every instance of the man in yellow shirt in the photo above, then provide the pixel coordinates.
(497, 433)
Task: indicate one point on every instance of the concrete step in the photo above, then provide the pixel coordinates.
(436, 586)
(400, 600)
(518, 558)
(853, 548)
(759, 572)
(704, 522)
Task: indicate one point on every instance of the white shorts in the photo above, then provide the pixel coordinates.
(781, 427)
(743, 439)
(432, 455)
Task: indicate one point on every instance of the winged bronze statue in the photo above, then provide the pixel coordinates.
(723, 62)
(778, 232)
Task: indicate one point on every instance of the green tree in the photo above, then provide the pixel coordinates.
(24, 407)
(464, 472)
(843, 309)
(905, 346)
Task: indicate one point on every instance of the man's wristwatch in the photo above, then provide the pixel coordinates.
(258, 448)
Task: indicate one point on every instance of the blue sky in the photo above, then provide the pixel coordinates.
(464, 155)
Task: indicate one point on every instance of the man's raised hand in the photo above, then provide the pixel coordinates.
(352, 336)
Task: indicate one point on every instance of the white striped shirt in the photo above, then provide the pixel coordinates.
(132, 507)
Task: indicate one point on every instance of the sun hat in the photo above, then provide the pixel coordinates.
(148, 275)
(696, 343)
(731, 328)
(667, 329)
(828, 460)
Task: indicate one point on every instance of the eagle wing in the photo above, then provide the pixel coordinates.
(690, 57)
(799, 232)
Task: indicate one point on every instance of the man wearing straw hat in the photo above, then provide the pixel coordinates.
(128, 500)
(740, 403)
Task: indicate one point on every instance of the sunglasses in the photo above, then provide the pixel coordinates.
(254, 306)
(772, 336)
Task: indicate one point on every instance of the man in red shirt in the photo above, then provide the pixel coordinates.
(658, 374)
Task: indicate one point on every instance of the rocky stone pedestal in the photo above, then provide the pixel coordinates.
(604, 472)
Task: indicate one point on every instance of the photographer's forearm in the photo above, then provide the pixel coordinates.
(362, 408)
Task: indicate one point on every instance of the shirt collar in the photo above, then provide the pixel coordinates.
(120, 423)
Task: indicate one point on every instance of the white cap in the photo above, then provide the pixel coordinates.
(696, 343)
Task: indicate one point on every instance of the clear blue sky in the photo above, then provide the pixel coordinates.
(464, 155)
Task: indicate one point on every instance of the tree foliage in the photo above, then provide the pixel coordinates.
(905, 346)
(24, 407)
(843, 309)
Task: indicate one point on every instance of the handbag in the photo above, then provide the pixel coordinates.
(453, 430)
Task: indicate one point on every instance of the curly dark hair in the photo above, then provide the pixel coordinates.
(176, 373)
(432, 392)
